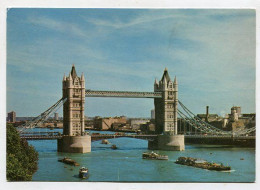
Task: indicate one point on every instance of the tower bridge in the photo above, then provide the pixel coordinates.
(165, 100)
(165, 95)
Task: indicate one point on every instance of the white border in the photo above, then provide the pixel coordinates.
(4, 4)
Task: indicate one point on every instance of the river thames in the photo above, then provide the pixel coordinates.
(126, 164)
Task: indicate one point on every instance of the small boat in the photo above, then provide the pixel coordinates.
(154, 156)
(105, 141)
(198, 163)
(83, 172)
(69, 161)
(114, 147)
(241, 158)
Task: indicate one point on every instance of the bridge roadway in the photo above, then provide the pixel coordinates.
(244, 141)
(93, 137)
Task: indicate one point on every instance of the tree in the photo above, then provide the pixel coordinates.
(22, 159)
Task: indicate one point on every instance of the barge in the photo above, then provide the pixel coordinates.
(154, 156)
(198, 163)
(69, 161)
(114, 147)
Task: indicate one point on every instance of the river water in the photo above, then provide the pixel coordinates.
(126, 164)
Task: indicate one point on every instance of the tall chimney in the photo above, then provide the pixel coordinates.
(207, 113)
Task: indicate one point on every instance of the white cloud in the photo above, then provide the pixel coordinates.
(60, 26)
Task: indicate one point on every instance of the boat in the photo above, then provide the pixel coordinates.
(199, 163)
(83, 172)
(154, 156)
(105, 141)
(114, 146)
(69, 161)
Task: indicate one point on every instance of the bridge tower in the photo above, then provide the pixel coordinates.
(73, 109)
(74, 137)
(166, 107)
(166, 115)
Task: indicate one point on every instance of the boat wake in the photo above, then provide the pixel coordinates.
(228, 171)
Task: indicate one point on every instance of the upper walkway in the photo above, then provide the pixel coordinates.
(122, 94)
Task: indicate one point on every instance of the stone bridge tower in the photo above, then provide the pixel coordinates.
(73, 109)
(166, 109)
(74, 138)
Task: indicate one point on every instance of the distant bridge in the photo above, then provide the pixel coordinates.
(94, 137)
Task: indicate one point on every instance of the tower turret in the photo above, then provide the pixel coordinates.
(175, 81)
(82, 78)
(156, 84)
(175, 84)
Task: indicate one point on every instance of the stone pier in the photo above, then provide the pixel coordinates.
(168, 142)
(75, 144)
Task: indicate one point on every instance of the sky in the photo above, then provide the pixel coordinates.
(210, 51)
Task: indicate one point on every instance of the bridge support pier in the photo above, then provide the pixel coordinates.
(168, 142)
(75, 144)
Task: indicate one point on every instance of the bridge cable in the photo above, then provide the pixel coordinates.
(43, 116)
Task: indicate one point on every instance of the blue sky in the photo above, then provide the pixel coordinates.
(212, 53)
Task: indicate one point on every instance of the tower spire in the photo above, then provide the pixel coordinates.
(73, 72)
(166, 75)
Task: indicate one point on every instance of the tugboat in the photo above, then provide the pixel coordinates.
(198, 163)
(83, 172)
(69, 161)
(154, 156)
(105, 141)
(114, 147)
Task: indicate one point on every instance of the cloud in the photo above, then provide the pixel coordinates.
(69, 28)
(119, 24)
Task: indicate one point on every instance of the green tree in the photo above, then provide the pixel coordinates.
(22, 159)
